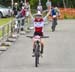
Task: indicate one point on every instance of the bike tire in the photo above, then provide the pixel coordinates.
(36, 61)
(36, 54)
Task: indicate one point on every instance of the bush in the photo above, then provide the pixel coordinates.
(69, 16)
(73, 17)
(65, 16)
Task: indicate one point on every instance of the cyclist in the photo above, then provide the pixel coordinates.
(54, 14)
(38, 27)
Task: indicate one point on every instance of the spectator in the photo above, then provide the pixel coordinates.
(27, 9)
(39, 7)
(15, 11)
(21, 4)
(23, 13)
(17, 21)
(48, 4)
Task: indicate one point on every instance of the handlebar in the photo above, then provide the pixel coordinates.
(40, 36)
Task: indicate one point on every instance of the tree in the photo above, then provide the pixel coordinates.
(34, 3)
(64, 4)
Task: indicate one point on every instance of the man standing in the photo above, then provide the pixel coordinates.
(27, 9)
(48, 4)
(39, 7)
(23, 14)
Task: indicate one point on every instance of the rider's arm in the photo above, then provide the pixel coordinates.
(46, 15)
(57, 11)
(31, 16)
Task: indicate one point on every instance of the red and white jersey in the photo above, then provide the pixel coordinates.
(38, 25)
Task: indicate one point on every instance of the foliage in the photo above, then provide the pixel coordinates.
(65, 16)
(5, 20)
(34, 3)
(68, 3)
(68, 16)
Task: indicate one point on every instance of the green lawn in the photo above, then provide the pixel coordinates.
(5, 20)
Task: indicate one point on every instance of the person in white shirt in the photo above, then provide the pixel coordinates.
(39, 7)
(48, 4)
(27, 9)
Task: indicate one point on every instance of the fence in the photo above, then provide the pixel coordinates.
(6, 30)
(9, 29)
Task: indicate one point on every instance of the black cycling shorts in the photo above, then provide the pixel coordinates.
(38, 33)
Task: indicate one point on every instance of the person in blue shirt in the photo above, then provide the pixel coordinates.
(54, 14)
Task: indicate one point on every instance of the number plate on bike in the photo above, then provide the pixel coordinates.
(36, 38)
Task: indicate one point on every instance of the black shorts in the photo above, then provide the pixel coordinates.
(38, 33)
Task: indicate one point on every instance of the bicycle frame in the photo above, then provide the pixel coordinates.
(54, 23)
(36, 38)
(37, 49)
(37, 43)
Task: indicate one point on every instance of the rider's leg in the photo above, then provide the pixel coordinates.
(54, 24)
(33, 46)
(42, 45)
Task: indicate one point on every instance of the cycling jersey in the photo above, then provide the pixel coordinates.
(53, 12)
(39, 22)
(38, 25)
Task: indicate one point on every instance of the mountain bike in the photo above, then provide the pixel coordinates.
(54, 23)
(37, 44)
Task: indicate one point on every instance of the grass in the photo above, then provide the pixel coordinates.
(5, 20)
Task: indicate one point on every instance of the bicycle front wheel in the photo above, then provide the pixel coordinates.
(36, 61)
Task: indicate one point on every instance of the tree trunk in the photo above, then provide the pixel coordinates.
(64, 3)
